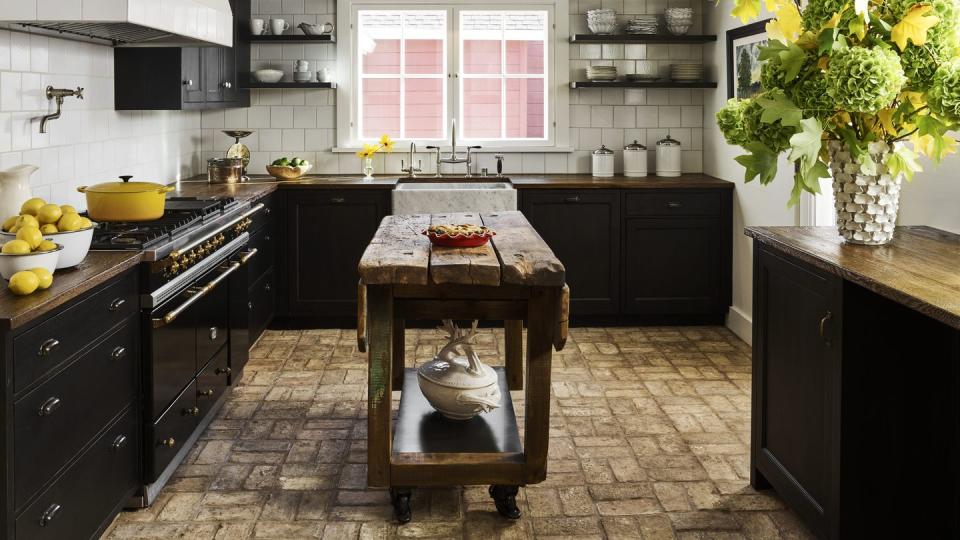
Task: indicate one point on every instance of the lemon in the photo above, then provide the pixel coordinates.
(46, 245)
(27, 220)
(49, 213)
(30, 235)
(67, 209)
(45, 277)
(23, 283)
(10, 222)
(14, 229)
(49, 228)
(85, 223)
(15, 247)
(70, 222)
(32, 206)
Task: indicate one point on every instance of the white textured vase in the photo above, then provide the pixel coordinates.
(866, 204)
(459, 386)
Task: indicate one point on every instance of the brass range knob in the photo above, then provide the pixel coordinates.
(175, 268)
(169, 442)
(192, 411)
(206, 393)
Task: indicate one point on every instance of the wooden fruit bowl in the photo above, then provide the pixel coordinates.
(286, 172)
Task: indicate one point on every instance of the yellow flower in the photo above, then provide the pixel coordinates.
(386, 143)
(368, 151)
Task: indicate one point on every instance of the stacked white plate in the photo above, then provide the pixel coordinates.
(601, 73)
(602, 21)
(679, 20)
(643, 24)
(686, 72)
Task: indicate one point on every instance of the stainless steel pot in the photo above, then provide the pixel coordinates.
(224, 170)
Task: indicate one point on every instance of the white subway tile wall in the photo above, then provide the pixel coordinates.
(90, 142)
(302, 122)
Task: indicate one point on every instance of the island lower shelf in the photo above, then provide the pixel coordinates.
(429, 449)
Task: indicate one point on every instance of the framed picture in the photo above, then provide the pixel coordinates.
(743, 59)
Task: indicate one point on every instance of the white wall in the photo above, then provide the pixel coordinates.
(90, 142)
(753, 204)
(933, 198)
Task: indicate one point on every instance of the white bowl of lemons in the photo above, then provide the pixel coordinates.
(59, 224)
(16, 256)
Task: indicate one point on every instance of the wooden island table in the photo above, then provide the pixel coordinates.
(515, 278)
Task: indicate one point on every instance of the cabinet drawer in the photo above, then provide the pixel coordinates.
(81, 502)
(40, 349)
(171, 431)
(55, 420)
(265, 216)
(212, 382)
(673, 203)
(263, 241)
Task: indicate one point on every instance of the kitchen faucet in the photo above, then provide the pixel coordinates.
(453, 157)
(411, 170)
(57, 94)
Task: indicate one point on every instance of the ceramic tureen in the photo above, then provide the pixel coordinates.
(459, 386)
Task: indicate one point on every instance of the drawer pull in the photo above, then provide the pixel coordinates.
(213, 333)
(118, 353)
(206, 393)
(50, 513)
(119, 442)
(266, 287)
(575, 198)
(674, 204)
(192, 411)
(337, 200)
(49, 406)
(169, 442)
(823, 323)
(266, 211)
(48, 347)
(116, 304)
(223, 371)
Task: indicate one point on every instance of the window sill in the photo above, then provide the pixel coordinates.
(402, 148)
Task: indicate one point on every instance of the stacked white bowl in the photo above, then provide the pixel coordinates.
(602, 21)
(643, 24)
(679, 20)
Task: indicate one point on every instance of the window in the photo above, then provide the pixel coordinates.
(417, 66)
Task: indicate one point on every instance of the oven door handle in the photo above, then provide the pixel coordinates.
(246, 256)
(197, 295)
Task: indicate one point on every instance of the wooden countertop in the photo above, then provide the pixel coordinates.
(98, 267)
(264, 184)
(920, 269)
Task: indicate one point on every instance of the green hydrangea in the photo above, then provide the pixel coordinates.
(818, 12)
(775, 135)
(944, 94)
(811, 95)
(864, 80)
(920, 63)
(730, 121)
(772, 75)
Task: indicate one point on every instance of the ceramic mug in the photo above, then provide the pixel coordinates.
(258, 26)
(328, 27)
(324, 75)
(302, 65)
(278, 26)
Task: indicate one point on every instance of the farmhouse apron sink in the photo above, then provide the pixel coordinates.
(441, 196)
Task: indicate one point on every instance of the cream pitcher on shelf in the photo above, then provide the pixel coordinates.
(15, 188)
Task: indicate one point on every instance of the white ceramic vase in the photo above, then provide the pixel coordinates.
(866, 204)
(14, 189)
(459, 386)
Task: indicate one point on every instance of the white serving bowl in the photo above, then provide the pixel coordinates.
(268, 75)
(11, 264)
(602, 27)
(75, 244)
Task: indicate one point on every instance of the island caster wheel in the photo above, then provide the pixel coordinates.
(400, 498)
(505, 497)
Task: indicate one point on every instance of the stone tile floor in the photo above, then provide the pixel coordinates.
(650, 434)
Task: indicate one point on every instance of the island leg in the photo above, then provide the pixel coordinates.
(379, 383)
(505, 498)
(400, 499)
(399, 351)
(513, 353)
(541, 325)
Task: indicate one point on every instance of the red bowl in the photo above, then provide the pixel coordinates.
(459, 240)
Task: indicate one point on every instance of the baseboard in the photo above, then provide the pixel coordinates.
(740, 324)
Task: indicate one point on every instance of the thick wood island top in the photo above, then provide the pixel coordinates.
(920, 269)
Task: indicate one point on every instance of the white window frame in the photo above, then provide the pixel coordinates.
(557, 84)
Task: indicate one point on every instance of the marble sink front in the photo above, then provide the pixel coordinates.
(432, 196)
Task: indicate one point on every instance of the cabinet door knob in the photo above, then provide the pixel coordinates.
(118, 353)
(823, 330)
(48, 346)
(575, 198)
(227, 84)
(223, 371)
(169, 442)
(213, 333)
(188, 82)
(191, 411)
(206, 393)
(337, 200)
(116, 304)
(674, 204)
(50, 513)
(49, 406)
(119, 442)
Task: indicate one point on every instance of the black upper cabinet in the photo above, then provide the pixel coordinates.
(582, 227)
(175, 78)
(326, 234)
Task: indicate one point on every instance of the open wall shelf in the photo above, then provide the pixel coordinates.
(307, 85)
(640, 38)
(292, 38)
(643, 84)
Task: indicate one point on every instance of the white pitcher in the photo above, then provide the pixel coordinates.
(14, 189)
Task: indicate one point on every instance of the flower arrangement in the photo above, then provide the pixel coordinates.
(367, 152)
(861, 86)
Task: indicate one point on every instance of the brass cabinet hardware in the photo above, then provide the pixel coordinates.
(118, 353)
(48, 346)
(50, 513)
(223, 371)
(116, 304)
(206, 393)
(119, 442)
(49, 406)
(191, 411)
(169, 442)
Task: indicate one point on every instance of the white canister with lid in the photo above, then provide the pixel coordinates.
(602, 162)
(635, 160)
(668, 157)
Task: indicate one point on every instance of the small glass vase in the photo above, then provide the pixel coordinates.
(367, 169)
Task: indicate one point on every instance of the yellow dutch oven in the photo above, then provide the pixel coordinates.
(125, 201)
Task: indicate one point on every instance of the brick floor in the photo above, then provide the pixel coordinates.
(650, 435)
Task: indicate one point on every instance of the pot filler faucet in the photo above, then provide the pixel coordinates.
(453, 157)
(58, 94)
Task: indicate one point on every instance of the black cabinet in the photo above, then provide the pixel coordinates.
(326, 232)
(796, 378)
(582, 227)
(175, 78)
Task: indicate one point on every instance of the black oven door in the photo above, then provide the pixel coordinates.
(186, 331)
(240, 315)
